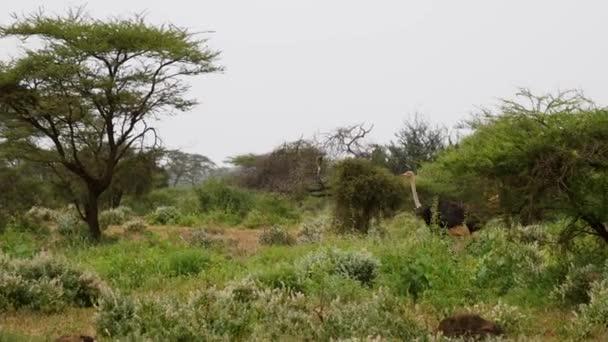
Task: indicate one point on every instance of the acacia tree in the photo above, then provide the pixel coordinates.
(190, 168)
(88, 95)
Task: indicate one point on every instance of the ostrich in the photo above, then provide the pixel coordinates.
(451, 215)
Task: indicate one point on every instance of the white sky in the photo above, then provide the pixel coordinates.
(298, 67)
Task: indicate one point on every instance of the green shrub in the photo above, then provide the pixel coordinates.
(244, 311)
(275, 235)
(381, 317)
(574, 289)
(359, 266)
(186, 263)
(591, 318)
(216, 195)
(165, 216)
(114, 216)
(43, 284)
(504, 264)
(19, 244)
(362, 192)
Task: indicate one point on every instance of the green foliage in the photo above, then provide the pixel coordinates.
(359, 266)
(130, 265)
(20, 244)
(532, 163)
(88, 76)
(244, 311)
(591, 318)
(503, 263)
(223, 203)
(217, 195)
(43, 284)
(186, 263)
(114, 216)
(362, 192)
(165, 216)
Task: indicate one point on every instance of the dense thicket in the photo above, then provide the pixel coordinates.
(533, 163)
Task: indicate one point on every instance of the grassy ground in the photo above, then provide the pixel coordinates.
(436, 275)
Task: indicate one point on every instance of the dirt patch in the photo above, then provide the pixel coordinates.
(72, 321)
(247, 240)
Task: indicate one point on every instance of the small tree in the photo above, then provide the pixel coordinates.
(362, 192)
(187, 168)
(417, 142)
(87, 96)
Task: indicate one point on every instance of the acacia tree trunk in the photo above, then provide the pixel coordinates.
(116, 198)
(91, 213)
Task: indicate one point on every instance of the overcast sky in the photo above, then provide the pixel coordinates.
(298, 67)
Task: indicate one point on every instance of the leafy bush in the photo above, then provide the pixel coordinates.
(591, 318)
(359, 266)
(244, 311)
(275, 235)
(382, 317)
(311, 232)
(115, 216)
(217, 195)
(503, 263)
(165, 216)
(43, 284)
(574, 289)
(362, 192)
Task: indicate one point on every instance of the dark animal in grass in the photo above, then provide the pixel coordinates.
(470, 325)
(75, 338)
(450, 214)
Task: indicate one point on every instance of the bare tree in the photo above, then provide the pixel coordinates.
(347, 141)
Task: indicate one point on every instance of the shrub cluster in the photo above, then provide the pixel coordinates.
(114, 216)
(47, 285)
(224, 203)
(276, 235)
(246, 311)
(165, 216)
(359, 266)
(312, 231)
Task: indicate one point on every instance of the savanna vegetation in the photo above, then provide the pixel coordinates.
(104, 233)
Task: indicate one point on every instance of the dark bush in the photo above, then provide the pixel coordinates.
(363, 191)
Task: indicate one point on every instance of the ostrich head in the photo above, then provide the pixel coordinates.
(408, 174)
(411, 176)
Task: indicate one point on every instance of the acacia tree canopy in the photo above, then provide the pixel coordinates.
(88, 95)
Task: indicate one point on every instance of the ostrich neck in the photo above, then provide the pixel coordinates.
(414, 193)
